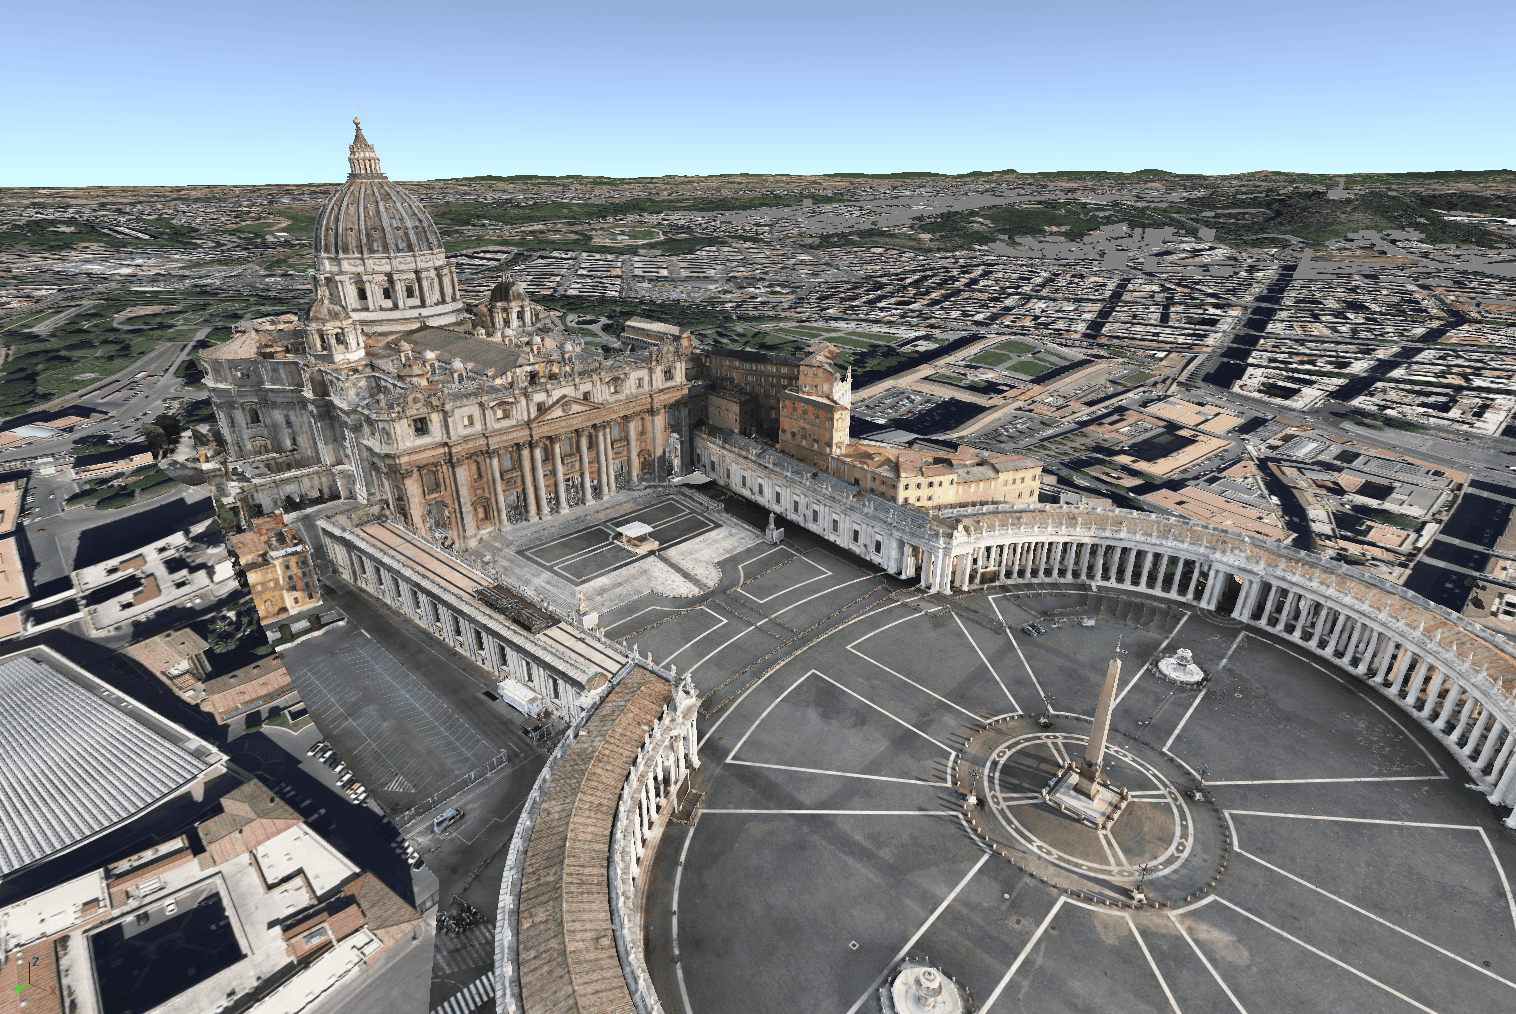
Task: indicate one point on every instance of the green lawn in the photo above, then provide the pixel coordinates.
(1016, 348)
(1030, 368)
(989, 359)
(850, 342)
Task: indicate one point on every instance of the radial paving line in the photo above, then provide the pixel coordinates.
(879, 979)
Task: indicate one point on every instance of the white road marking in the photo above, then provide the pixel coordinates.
(839, 774)
(1206, 961)
(1180, 727)
(678, 877)
(765, 714)
(1353, 820)
(1150, 661)
(1016, 965)
(1324, 781)
(1323, 954)
(833, 813)
(887, 714)
(1153, 965)
(1430, 759)
(728, 712)
(798, 584)
(868, 994)
(986, 661)
(721, 621)
(907, 679)
(1506, 884)
(1041, 696)
(1371, 915)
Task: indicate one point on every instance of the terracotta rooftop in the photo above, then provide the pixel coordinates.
(246, 803)
(566, 951)
(165, 651)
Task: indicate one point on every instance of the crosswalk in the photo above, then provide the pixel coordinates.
(475, 947)
(474, 994)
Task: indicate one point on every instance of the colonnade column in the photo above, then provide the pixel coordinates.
(603, 455)
(538, 481)
(460, 497)
(502, 521)
(631, 422)
(656, 422)
(585, 478)
(558, 483)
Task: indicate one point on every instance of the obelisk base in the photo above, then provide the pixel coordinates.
(1100, 812)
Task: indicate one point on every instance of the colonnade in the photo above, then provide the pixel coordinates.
(667, 757)
(1418, 656)
(1437, 666)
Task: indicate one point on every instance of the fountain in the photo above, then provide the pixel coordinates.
(1180, 668)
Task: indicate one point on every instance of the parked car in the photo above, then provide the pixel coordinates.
(317, 746)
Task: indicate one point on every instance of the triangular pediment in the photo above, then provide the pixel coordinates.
(566, 406)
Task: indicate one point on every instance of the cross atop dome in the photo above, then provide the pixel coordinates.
(362, 160)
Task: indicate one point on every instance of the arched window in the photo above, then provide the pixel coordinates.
(253, 416)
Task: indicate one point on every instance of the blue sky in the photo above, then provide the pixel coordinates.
(174, 92)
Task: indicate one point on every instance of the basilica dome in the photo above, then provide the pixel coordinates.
(379, 254)
(369, 215)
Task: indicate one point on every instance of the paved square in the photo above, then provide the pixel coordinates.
(592, 551)
(842, 713)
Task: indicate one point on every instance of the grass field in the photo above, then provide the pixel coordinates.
(94, 343)
(1016, 348)
(990, 359)
(1029, 368)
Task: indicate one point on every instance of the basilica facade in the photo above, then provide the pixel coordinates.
(389, 390)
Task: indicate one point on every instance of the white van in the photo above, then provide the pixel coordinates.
(446, 819)
(523, 698)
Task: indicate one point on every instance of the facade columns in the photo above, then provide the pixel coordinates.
(497, 492)
(558, 483)
(603, 455)
(537, 478)
(656, 425)
(585, 478)
(460, 498)
(631, 422)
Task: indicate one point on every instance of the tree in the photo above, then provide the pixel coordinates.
(156, 439)
(227, 631)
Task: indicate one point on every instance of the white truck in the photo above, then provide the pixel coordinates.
(523, 698)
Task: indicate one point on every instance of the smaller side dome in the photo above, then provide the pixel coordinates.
(507, 290)
(324, 311)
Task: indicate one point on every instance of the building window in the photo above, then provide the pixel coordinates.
(254, 416)
(362, 293)
(878, 546)
(835, 529)
(502, 411)
(668, 374)
(855, 536)
(386, 292)
(468, 420)
(815, 517)
(410, 291)
(420, 426)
